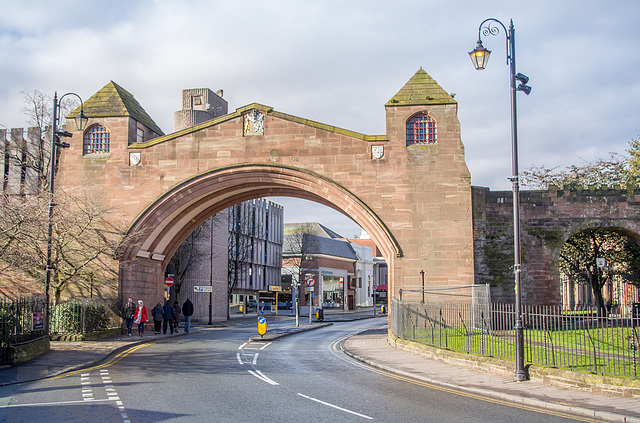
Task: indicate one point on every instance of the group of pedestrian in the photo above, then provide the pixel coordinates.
(167, 316)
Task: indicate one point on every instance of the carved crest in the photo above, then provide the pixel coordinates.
(254, 123)
(377, 151)
(134, 159)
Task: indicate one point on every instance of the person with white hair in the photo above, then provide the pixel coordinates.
(141, 317)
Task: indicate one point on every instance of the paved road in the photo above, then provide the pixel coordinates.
(217, 376)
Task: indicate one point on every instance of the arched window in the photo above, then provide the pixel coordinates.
(97, 140)
(421, 129)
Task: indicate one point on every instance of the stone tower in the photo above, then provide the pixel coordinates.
(199, 105)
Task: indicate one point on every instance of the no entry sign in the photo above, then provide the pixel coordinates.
(168, 281)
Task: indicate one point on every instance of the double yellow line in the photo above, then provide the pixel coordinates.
(114, 360)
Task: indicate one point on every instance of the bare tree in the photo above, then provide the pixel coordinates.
(239, 244)
(297, 250)
(84, 243)
(187, 257)
(33, 155)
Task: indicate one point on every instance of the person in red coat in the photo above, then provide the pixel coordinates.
(141, 317)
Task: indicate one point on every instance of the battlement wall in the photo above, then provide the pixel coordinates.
(24, 160)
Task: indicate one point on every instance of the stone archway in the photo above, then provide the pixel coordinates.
(167, 221)
(413, 198)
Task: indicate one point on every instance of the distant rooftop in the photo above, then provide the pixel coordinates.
(314, 228)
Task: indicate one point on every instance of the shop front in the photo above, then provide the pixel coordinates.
(333, 288)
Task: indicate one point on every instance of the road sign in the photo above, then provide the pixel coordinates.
(205, 288)
(168, 281)
(275, 288)
(309, 289)
(311, 282)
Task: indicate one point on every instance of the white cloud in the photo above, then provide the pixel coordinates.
(338, 62)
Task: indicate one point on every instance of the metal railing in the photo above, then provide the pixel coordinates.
(21, 320)
(577, 340)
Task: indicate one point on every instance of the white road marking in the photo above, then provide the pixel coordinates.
(262, 377)
(265, 345)
(242, 346)
(239, 358)
(336, 407)
(255, 359)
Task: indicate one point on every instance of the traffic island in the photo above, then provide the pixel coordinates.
(272, 335)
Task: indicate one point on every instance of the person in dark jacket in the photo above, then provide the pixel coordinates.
(169, 317)
(178, 310)
(187, 312)
(157, 312)
(129, 313)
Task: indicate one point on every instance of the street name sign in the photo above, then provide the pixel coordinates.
(205, 288)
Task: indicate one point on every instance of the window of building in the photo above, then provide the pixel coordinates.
(140, 135)
(421, 129)
(97, 140)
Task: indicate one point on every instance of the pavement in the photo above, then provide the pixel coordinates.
(370, 347)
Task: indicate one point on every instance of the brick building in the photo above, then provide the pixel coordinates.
(342, 272)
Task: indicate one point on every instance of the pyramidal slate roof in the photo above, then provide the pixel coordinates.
(421, 89)
(114, 101)
(315, 228)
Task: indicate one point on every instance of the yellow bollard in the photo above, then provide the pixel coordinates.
(262, 326)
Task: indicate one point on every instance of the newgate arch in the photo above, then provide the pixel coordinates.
(409, 188)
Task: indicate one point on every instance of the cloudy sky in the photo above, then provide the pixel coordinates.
(339, 62)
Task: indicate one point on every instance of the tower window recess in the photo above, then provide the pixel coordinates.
(97, 140)
(421, 129)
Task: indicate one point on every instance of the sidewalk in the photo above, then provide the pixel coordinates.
(371, 347)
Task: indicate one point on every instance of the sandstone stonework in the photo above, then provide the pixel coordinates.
(415, 201)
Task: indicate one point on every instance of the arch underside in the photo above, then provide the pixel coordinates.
(171, 218)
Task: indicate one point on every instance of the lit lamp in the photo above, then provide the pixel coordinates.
(80, 120)
(480, 57)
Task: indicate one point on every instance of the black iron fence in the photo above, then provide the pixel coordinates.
(581, 339)
(23, 320)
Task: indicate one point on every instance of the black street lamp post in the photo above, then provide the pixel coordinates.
(81, 121)
(480, 57)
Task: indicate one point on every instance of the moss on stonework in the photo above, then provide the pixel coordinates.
(421, 89)
(550, 237)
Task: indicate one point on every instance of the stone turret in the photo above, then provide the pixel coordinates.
(199, 105)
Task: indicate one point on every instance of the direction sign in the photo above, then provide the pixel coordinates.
(168, 281)
(311, 282)
(205, 288)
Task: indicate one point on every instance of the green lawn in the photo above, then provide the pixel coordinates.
(601, 350)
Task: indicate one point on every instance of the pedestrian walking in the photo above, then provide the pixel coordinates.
(178, 310)
(129, 314)
(187, 312)
(169, 316)
(141, 317)
(158, 314)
